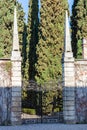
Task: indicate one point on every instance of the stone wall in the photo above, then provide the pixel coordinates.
(81, 90)
(5, 91)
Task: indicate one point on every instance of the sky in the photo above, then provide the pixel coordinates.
(25, 6)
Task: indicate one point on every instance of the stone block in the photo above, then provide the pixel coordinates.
(16, 74)
(15, 119)
(69, 89)
(69, 118)
(69, 103)
(17, 98)
(69, 69)
(19, 122)
(17, 68)
(69, 93)
(68, 65)
(16, 114)
(70, 98)
(69, 79)
(69, 73)
(16, 89)
(15, 109)
(69, 113)
(70, 108)
(16, 83)
(16, 63)
(16, 94)
(16, 104)
(14, 79)
(69, 84)
(68, 54)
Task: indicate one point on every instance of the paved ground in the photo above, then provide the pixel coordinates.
(45, 127)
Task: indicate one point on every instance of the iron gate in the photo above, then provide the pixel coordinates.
(42, 103)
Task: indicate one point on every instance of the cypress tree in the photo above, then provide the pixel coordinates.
(78, 25)
(49, 51)
(51, 39)
(31, 58)
(32, 39)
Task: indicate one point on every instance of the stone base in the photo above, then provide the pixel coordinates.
(16, 123)
(70, 122)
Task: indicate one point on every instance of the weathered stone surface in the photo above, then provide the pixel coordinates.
(16, 74)
(16, 114)
(67, 108)
(16, 103)
(81, 90)
(5, 92)
(71, 98)
(16, 99)
(15, 79)
(68, 65)
(67, 36)
(15, 109)
(68, 77)
(15, 119)
(16, 83)
(69, 113)
(16, 94)
(16, 69)
(16, 64)
(16, 89)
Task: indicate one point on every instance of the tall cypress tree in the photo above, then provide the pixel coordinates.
(79, 25)
(32, 29)
(51, 39)
(6, 26)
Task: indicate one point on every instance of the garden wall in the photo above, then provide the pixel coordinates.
(5, 91)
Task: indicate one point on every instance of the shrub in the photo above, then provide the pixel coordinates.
(29, 111)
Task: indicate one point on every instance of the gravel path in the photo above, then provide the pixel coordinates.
(45, 127)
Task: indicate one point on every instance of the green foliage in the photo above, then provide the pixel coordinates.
(79, 26)
(32, 38)
(1, 52)
(6, 21)
(6, 26)
(31, 30)
(52, 98)
(79, 49)
(25, 63)
(29, 111)
(50, 45)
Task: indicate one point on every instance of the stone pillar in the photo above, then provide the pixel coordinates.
(68, 79)
(16, 93)
(84, 53)
(16, 77)
(69, 91)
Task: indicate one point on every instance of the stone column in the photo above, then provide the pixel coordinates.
(68, 78)
(69, 91)
(16, 77)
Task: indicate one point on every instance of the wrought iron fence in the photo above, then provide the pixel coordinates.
(42, 103)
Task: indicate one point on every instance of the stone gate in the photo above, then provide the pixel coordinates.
(74, 83)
